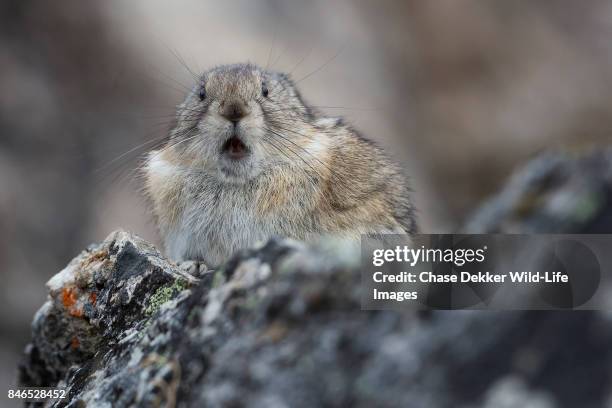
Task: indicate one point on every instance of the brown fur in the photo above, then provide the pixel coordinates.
(304, 174)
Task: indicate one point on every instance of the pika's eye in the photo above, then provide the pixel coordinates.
(202, 94)
(264, 90)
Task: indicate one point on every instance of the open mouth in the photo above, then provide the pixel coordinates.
(235, 148)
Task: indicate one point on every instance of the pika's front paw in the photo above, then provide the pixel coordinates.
(194, 268)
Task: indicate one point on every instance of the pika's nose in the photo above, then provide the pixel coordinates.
(234, 111)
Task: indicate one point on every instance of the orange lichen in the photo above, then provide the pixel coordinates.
(97, 256)
(275, 332)
(69, 300)
(69, 297)
(75, 343)
(93, 297)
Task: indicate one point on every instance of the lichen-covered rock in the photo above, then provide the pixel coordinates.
(557, 192)
(103, 295)
(281, 326)
(124, 327)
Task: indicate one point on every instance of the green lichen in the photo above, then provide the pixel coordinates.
(218, 279)
(587, 207)
(163, 295)
(251, 302)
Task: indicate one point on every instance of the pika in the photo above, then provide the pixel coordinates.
(248, 159)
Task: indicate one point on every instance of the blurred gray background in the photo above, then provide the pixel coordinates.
(460, 92)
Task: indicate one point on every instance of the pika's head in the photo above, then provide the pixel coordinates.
(239, 120)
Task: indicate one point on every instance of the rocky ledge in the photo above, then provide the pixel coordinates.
(281, 326)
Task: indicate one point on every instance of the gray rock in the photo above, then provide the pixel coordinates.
(280, 326)
(557, 192)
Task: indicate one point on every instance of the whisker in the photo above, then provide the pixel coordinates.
(324, 64)
(177, 82)
(128, 152)
(173, 145)
(274, 35)
(310, 177)
(182, 61)
(301, 148)
(301, 60)
(280, 55)
(332, 172)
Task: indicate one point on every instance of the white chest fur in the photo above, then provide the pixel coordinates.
(214, 224)
(203, 218)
